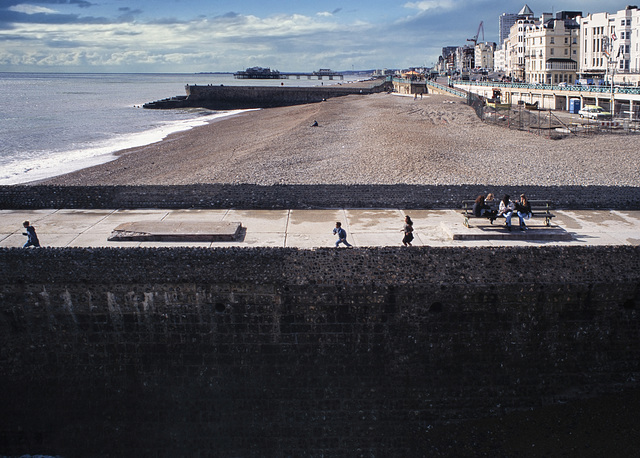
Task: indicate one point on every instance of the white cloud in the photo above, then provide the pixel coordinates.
(427, 5)
(31, 9)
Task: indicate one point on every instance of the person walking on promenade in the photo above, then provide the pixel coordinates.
(408, 231)
(32, 238)
(341, 233)
(507, 207)
(481, 208)
(523, 208)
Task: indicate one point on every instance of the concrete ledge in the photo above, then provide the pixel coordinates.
(170, 231)
(499, 232)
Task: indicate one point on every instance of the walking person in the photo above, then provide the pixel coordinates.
(523, 207)
(341, 233)
(32, 238)
(408, 231)
(506, 209)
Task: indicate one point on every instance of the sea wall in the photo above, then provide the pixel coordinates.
(241, 97)
(286, 352)
(305, 196)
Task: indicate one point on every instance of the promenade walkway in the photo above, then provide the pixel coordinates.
(313, 228)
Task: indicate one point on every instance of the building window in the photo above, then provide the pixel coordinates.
(552, 51)
(553, 40)
(566, 40)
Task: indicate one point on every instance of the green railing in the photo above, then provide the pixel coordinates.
(555, 87)
(448, 89)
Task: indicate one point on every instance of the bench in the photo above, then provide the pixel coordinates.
(539, 209)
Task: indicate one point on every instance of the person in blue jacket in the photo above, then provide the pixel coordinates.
(341, 233)
(32, 238)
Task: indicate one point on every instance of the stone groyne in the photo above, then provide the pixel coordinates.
(245, 97)
(248, 196)
(284, 352)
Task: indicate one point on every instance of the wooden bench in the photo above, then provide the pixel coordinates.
(539, 209)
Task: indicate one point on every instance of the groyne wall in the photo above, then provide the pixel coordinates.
(306, 196)
(241, 97)
(285, 352)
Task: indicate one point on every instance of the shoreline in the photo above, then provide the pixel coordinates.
(374, 139)
(135, 140)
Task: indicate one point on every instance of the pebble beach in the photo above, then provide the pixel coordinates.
(373, 139)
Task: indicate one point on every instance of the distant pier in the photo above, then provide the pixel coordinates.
(267, 73)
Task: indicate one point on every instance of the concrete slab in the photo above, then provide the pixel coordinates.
(458, 231)
(195, 215)
(11, 220)
(176, 231)
(260, 220)
(375, 220)
(317, 222)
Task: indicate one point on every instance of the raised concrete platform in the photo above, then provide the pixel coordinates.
(175, 231)
(458, 231)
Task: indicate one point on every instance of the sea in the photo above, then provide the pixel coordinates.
(55, 123)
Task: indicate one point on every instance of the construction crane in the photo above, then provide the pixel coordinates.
(475, 39)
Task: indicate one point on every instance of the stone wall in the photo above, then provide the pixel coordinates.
(305, 196)
(240, 97)
(286, 352)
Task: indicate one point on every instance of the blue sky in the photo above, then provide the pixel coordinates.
(221, 35)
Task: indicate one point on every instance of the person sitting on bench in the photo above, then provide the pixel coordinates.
(507, 207)
(481, 208)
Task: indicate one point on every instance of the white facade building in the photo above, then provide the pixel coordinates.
(610, 45)
(484, 55)
(552, 50)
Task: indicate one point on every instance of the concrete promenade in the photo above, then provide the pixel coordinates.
(313, 228)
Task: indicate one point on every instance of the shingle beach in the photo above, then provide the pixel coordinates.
(373, 139)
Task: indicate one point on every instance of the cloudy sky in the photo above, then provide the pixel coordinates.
(229, 35)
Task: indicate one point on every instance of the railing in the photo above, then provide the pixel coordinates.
(552, 87)
(448, 89)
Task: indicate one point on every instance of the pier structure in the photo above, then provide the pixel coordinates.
(267, 73)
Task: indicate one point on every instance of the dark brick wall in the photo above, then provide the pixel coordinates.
(304, 196)
(285, 352)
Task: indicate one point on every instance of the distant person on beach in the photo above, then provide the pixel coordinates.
(32, 238)
(408, 231)
(315, 124)
(341, 233)
(507, 207)
(523, 207)
(482, 208)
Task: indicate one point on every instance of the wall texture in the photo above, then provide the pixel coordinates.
(285, 352)
(305, 196)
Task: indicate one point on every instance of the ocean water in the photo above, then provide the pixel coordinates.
(52, 124)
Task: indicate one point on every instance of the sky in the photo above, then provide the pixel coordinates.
(190, 36)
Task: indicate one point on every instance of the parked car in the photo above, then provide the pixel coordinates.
(593, 112)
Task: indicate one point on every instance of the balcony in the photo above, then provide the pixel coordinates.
(566, 65)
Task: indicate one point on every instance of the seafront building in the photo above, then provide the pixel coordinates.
(484, 55)
(564, 47)
(610, 46)
(552, 49)
(515, 45)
